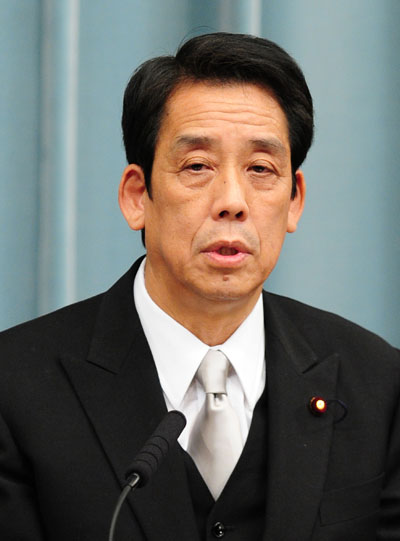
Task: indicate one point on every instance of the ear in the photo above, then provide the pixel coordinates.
(132, 190)
(297, 203)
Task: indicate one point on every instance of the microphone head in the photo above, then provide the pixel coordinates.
(156, 448)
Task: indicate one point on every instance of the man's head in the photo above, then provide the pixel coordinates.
(216, 58)
(221, 149)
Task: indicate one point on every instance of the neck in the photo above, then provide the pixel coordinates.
(212, 321)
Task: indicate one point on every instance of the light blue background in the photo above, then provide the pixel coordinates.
(62, 236)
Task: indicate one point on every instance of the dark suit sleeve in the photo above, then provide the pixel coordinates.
(19, 515)
(389, 526)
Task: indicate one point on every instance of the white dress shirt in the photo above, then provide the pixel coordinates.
(178, 353)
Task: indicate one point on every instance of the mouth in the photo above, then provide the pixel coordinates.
(226, 250)
(227, 254)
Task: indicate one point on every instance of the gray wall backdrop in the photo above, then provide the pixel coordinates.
(63, 68)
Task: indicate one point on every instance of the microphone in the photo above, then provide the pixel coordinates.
(148, 460)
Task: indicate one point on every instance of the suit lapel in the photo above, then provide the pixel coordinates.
(120, 392)
(299, 442)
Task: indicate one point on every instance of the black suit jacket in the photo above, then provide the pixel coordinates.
(79, 395)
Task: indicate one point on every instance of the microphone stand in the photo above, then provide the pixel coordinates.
(132, 484)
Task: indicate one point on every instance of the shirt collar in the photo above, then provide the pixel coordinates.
(245, 349)
(172, 345)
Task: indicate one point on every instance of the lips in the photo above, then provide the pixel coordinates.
(227, 248)
(226, 254)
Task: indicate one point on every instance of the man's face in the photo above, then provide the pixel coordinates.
(221, 185)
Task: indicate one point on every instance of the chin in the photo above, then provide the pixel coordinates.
(226, 292)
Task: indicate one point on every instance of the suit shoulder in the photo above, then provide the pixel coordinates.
(61, 330)
(328, 330)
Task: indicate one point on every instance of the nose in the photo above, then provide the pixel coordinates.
(229, 201)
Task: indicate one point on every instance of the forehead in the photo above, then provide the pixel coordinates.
(207, 107)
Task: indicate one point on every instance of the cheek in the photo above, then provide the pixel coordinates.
(172, 227)
(272, 219)
(186, 215)
(272, 226)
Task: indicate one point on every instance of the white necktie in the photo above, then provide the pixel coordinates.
(215, 442)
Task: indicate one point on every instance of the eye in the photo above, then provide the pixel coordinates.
(259, 169)
(196, 166)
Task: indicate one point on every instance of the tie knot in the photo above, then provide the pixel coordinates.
(213, 371)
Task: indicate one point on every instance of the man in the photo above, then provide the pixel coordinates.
(214, 139)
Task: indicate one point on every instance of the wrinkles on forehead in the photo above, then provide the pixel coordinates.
(270, 145)
(226, 122)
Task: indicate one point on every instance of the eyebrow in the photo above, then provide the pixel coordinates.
(272, 144)
(192, 141)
